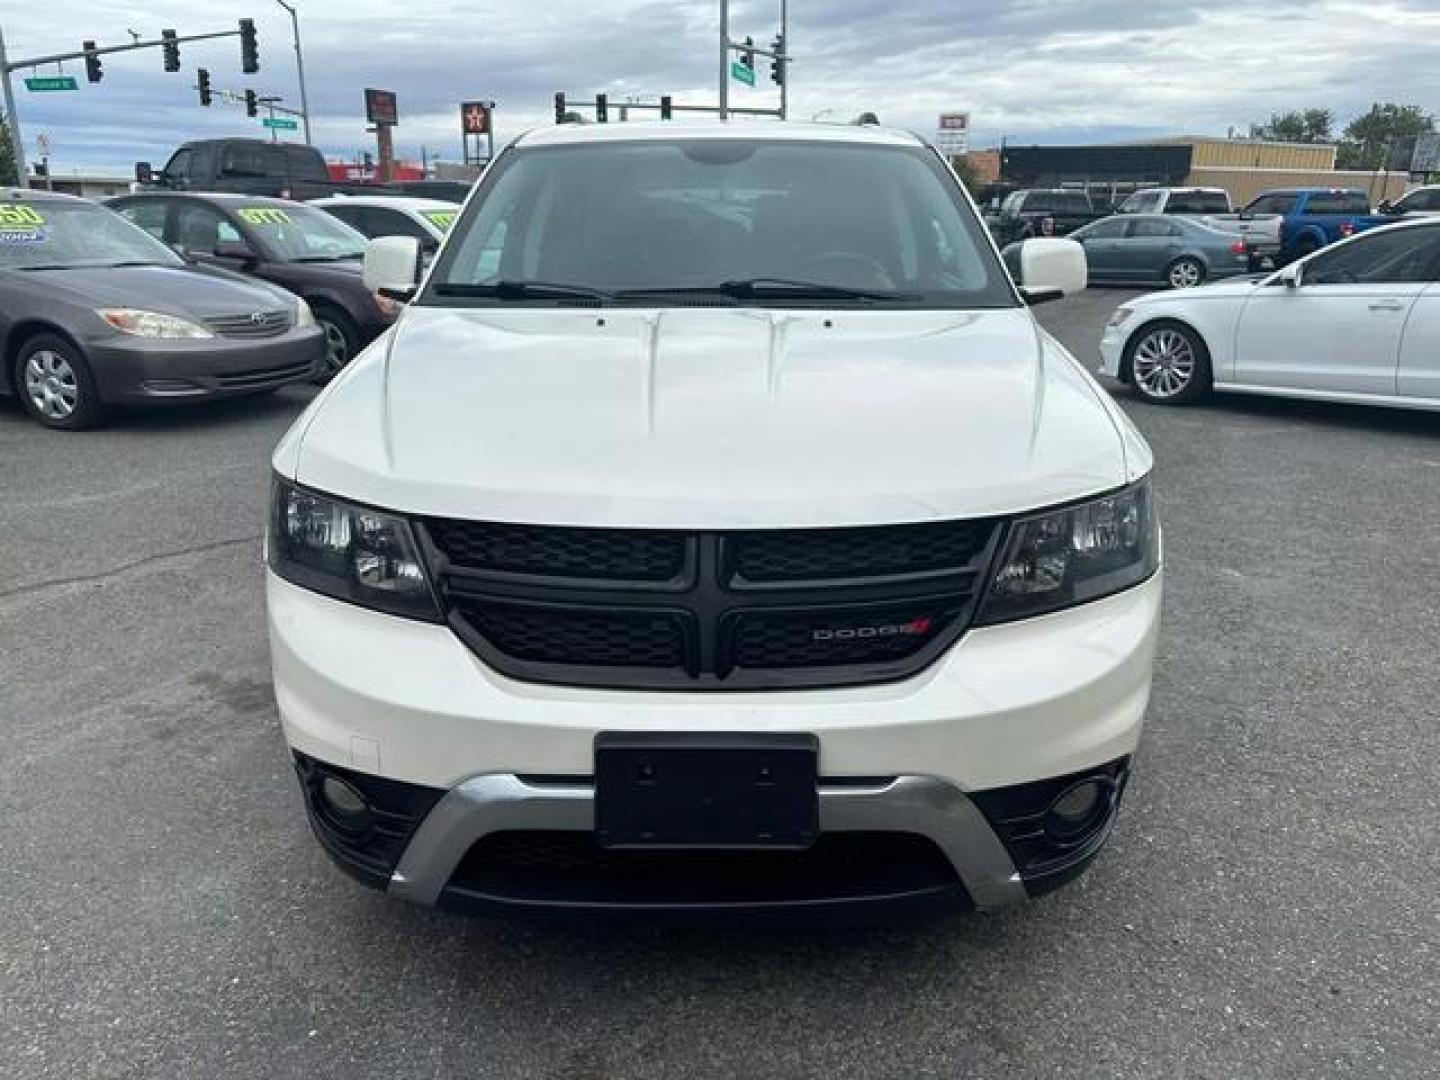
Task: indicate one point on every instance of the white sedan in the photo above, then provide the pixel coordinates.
(1357, 321)
(427, 220)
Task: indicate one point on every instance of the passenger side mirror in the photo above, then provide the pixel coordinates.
(1293, 276)
(1386, 207)
(393, 266)
(1048, 268)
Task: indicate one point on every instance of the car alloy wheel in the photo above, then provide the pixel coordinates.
(1185, 274)
(337, 347)
(1163, 363)
(51, 384)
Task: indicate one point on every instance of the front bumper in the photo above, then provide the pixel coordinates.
(132, 370)
(1006, 707)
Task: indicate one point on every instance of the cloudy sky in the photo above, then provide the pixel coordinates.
(1028, 70)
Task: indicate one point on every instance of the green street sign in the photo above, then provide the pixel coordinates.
(740, 73)
(280, 123)
(42, 83)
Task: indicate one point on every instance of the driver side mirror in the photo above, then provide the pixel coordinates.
(393, 266)
(1386, 207)
(234, 249)
(1047, 268)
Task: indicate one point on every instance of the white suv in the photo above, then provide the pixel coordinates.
(715, 529)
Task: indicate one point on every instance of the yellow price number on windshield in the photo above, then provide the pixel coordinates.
(441, 219)
(12, 216)
(264, 215)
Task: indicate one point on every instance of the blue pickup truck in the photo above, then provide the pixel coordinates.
(1310, 218)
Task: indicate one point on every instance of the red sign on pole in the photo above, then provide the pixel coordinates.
(475, 118)
(380, 107)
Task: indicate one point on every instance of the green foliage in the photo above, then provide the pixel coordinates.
(8, 174)
(968, 175)
(1367, 139)
(1298, 125)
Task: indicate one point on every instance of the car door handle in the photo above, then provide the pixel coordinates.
(1386, 305)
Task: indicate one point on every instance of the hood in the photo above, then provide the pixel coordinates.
(172, 290)
(709, 418)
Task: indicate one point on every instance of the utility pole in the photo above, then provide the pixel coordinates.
(784, 60)
(724, 59)
(299, 67)
(12, 122)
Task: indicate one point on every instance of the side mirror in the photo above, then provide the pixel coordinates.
(144, 173)
(1048, 268)
(393, 266)
(1293, 276)
(234, 249)
(1386, 207)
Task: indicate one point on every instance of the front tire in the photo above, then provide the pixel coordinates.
(342, 340)
(53, 381)
(1185, 273)
(1168, 364)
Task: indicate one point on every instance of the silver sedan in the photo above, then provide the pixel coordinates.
(1145, 249)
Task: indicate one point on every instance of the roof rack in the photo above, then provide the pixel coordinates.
(866, 119)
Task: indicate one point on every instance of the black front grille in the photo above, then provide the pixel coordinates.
(665, 609)
(256, 324)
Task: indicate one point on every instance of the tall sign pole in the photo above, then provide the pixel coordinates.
(299, 67)
(724, 59)
(12, 122)
(784, 64)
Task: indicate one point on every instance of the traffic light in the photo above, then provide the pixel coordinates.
(777, 65)
(202, 83)
(602, 108)
(747, 54)
(249, 50)
(666, 107)
(93, 70)
(252, 107)
(171, 48)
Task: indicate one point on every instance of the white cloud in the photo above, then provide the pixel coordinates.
(1029, 69)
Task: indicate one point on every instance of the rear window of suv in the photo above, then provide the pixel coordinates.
(696, 214)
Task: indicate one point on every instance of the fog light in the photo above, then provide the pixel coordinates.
(1078, 809)
(343, 805)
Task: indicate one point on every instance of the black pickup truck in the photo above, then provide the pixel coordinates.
(279, 170)
(1042, 212)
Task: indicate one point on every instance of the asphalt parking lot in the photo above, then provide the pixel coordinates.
(1267, 908)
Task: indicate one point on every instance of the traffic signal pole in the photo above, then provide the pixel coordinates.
(7, 67)
(724, 59)
(299, 68)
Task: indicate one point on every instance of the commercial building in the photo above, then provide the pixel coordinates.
(1243, 167)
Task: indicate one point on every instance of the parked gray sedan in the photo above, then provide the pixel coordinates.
(1142, 249)
(94, 312)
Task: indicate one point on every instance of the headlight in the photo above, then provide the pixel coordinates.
(348, 552)
(1121, 315)
(303, 315)
(152, 324)
(1069, 556)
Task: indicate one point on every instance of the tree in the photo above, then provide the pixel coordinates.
(968, 175)
(1298, 125)
(1367, 139)
(8, 175)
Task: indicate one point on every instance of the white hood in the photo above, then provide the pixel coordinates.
(711, 418)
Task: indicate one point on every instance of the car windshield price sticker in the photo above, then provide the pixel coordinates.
(11, 216)
(441, 219)
(264, 215)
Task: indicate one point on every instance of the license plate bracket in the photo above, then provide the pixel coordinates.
(706, 790)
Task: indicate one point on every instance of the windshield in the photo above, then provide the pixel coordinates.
(757, 219)
(63, 234)
(297, 233)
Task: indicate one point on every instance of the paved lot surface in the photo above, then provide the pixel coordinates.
(1268, 906)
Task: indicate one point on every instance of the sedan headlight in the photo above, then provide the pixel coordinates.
(349, 552)
(1082, 552)
(152, 324)
(303, 315)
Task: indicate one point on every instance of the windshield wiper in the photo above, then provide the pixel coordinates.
(523, 290)
(135, 262)
(772, 288)
(44, 266)
(326, 258)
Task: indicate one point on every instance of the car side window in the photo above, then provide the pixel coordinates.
(149, 216)
(1272, 204)
(1109, 229)
(350, 215)
(1337, 202)
(1150, 228)
(1388, 258)
(199, 230)
(380, 221)
(178, 167)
